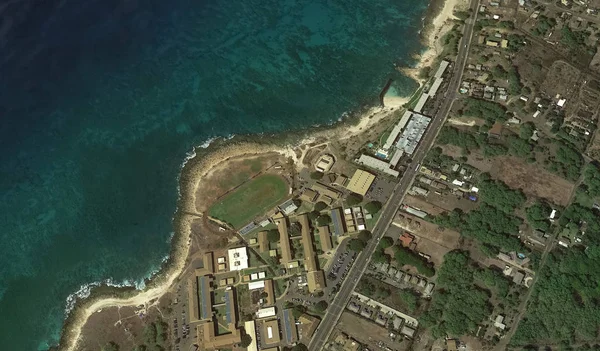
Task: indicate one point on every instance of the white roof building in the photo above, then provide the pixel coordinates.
(265, 312)
(256, 285)
(238, 258)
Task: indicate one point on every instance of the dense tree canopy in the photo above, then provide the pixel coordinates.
(488, 110)
(353, 199)
(404, 256)
(592, 179)
(320, 206)
(386, 242)
(323, 220)
(496, 193)
(454, 136)
(565, 303)
(458, 306)
(373, 207)
(538, 215)
(273, 235)
(356, 245)
(487, 224)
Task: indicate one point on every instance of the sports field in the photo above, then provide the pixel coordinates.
(251, 199)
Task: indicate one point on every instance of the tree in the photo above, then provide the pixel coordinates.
(365, 236)
(459, 306)
(323, 220)
(379, 256)
(313, 215)
(498, 194)
(373, 207)
(538, 215)
(410, 299)
(295, 229)
(111, 346)
(150, 333)
(298, 310)
(321, 306)
(386, 242)
(246, 340)
(356, 245)
(320, 206)
(404, 256)
(300, 347)
(316, 175)
(354, 199)
(273, 235)
(526, 130)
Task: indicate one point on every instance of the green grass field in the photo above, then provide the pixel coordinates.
(251, 199)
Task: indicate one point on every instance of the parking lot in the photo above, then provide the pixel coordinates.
(380, 190)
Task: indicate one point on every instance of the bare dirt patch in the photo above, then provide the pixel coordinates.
(532, 180)
(561, 79)
(423, 205)
(429, 238)
(367, 332)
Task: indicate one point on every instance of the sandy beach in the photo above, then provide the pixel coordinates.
(202, 165)
(433, 33)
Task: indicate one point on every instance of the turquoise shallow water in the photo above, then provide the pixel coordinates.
(101, 100)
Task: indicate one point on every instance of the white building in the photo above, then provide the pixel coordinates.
(238, 258)
(265, 312)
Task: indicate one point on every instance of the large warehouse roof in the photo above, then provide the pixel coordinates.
(361, 182)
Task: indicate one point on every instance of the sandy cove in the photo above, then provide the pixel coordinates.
(203, 165)
(433, 34)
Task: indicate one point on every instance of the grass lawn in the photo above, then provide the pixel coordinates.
(251, 199)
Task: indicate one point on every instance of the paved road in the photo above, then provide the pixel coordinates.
(336, 307)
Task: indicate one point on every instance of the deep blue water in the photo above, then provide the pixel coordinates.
(101, 99)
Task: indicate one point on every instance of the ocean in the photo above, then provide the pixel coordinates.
(101, 101)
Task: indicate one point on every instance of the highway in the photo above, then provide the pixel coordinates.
(337, 306)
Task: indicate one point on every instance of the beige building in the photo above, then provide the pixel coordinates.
(270, 332)
(360, 182)
(207, 335)
(309, 195)
(316, 281)
(325, 190)
(324, 163)
(284, 240)
(325, 238)
(270, 292)
(263, 241)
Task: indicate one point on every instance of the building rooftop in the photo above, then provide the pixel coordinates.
(316, 280)
(269, 289)
(361, 182)
(326, 190)
(377, 164)
(410, 137)
(270, 332)
(263, 241)
(265, 312)
(325, 238)
(208, 335)
(338, 221)
(290, 331)
(205, 297)
(238, 258)
(309, 195)
(310, 258)
(284, 240)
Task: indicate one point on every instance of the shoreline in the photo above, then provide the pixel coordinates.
(206, 157)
